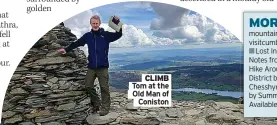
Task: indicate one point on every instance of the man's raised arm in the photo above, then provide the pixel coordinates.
(113, 36)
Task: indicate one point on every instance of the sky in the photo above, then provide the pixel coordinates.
(154, 24)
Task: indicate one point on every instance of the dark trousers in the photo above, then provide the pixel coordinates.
(103, 77)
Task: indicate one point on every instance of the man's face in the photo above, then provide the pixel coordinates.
(94, 24)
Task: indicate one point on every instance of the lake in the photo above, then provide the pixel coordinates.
(210, 91)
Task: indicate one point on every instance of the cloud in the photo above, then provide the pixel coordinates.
(169, 16)
(212, 32)
(185, 32)
(166, 41)
(132, 36)
(194, 28)
(137, 5)
(176, 23)
(174, 26)
(79, 24)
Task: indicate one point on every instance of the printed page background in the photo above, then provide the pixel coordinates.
(204, 58)
(28, 23)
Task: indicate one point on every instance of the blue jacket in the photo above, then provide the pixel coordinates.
(98, 46)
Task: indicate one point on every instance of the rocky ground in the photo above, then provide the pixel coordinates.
(47, 89)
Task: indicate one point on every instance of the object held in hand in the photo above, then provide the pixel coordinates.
(115, 24)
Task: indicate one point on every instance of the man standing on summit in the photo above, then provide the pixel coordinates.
(98, 42)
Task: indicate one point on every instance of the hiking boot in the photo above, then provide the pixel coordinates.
(103, 112)
(95, 109)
